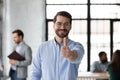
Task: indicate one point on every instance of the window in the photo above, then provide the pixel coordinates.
(79, 25)
(100, 38)
(94, 25)
(105, 11)
(116, 38)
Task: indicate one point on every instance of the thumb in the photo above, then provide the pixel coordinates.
(65, 41)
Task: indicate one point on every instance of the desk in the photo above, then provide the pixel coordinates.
(92, 76)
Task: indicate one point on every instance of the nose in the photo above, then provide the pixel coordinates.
(63, 26)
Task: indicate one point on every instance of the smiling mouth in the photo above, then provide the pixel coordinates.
(64, 30)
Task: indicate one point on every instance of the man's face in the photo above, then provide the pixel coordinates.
(62, 26)
(17, 39)
(103, 58)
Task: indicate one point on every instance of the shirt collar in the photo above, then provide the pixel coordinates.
(102, 63)
(55, 42)
(22, 42)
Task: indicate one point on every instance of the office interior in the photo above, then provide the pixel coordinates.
(95, 24)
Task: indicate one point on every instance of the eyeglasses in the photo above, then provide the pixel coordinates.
(59, 24)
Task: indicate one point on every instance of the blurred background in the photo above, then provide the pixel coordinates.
(95, 24)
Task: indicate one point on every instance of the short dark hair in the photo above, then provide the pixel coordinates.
(63, 13)
(19, 32)
(101, 53)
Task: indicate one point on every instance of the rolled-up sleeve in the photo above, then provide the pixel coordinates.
(80, 52)
(92, 68)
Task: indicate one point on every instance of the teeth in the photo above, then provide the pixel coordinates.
(62, 31)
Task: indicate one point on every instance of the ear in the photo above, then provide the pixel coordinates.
(53, 25)
(21, 38)
(70, 27)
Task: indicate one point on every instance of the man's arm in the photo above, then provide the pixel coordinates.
(36, 72)
(28, 58)
(74, 55)
(98, 71)
(94, 68)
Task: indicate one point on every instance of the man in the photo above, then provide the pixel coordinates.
(100, 66)
(18, 69)
(58, 59)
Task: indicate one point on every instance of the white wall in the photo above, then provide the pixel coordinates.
(1, 7)
(0, 38)
(27, 15)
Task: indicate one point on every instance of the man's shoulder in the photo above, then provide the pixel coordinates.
(24, 45)
(75, 42)
(47, 43)
(96, 62)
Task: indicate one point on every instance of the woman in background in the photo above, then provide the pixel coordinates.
(114, 66)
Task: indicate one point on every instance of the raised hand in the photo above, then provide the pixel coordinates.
(67, 53)
(65, 49)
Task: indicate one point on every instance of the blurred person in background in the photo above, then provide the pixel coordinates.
(114, 66)
(101, 65)
(18, 70)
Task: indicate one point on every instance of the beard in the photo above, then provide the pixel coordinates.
(104, 61)
(17, 42)
(62, 33)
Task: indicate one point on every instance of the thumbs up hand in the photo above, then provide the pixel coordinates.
(65, 49)
(67, 53)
